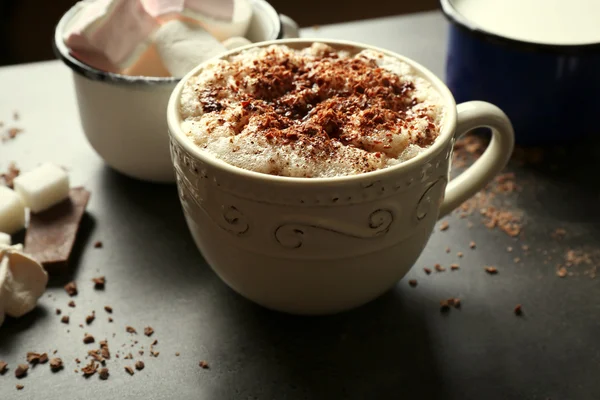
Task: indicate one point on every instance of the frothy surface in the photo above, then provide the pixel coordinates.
(315, 112)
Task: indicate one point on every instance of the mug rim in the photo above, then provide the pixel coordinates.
(62, 52)
(442, 141)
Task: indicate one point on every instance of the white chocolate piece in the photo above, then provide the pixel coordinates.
(235, 42)
(22, 281)
(12, 211)
(5, 239)
(183, 46)
(42, 187)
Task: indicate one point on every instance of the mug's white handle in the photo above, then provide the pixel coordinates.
(471, 115)
(290, 28)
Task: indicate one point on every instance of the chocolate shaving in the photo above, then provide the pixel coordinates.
(56, 364)
(99, 282)
(21, 370)
(71, 289)
(103, 374)
(51, 234)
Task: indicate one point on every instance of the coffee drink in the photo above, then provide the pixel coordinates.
(314, 112)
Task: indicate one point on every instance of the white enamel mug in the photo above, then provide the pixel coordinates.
(123, 117)
(324, 245)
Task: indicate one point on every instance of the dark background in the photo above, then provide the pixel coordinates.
(26, 26)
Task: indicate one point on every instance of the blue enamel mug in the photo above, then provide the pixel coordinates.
(539, 62)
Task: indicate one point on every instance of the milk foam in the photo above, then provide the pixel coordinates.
(230, 134)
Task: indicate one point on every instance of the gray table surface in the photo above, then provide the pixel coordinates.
(399, 346)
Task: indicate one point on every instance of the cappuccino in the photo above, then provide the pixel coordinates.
(315, 112)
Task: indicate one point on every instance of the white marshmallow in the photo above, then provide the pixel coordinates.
(12, 211)
(235, 42)
(22, 282)
(114, 30)
(42, 187)
(221, 28)
(182, 46)
(5, 239)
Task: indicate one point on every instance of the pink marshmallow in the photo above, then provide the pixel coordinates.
(118, 29)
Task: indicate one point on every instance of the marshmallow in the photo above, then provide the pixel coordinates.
(22, 282)
(5, 239)
(216, 9)
(235, 42)
(149, 64)
(12, 211)
(119, 30)
(42, 187)
(182, 46)
(222, 29)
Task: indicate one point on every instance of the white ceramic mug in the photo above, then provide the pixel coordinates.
(123, 117)
(324, 245)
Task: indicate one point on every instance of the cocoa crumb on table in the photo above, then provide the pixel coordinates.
(110, 319)
(561, 272)
(444, 225)
(130, 329)
(71, 289)
(427, 270)
(491, 270)
(103, 374)
(148, 331)
(454, 267)
(559, 233)
(71, 304)
(447, 249)
(203, 364)
(518, 310)
(412, 282)
(56, 364)
(128, 357)
(9, 176)
(87, 339)
(99, 282)
(20, 387)
(176, 354)
(459, 254)
(3, 367)
(90, 369)
(108, 309)
(139, 365)
(90, 318)
(58, 311)
(129, 370)
(65, 319)
(439, 268)
(155, 342)
(98, 245)
(472, 245)
(21, 370)
(444, 306)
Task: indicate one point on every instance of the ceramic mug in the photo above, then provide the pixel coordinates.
(123, 117)
(324, 245)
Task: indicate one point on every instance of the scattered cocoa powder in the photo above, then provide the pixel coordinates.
(559, 233)
(459, 254)
(58, 311)
(90, 318)
(561, 272)
(472, 245)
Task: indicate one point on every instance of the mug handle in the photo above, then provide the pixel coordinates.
(471, 115)
(290, 28)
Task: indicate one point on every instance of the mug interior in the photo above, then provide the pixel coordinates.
(446, 133)
(264, 25)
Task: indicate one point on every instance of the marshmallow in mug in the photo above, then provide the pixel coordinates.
(155, 37)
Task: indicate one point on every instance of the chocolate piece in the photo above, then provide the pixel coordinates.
(65, 319)
(87, 339)
(139, 365)
(130, 329)
(71, 289)
(148, 331)
(3, 367)
(108, 309)
(72, 304)
(21, 370)
(56, 364)
(51, 234)
(90, 318)
(203, 364)
(104, 374)
(89, 369)
(20, 387)
(33, 358)
(99, 282)
(129, 370)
